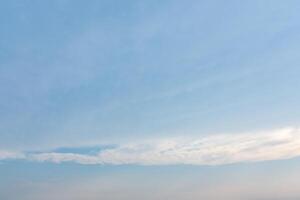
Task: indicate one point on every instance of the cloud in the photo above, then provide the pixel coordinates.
(65, 157)
(6, 155)
(210, 150)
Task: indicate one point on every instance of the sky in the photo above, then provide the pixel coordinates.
(181, 100)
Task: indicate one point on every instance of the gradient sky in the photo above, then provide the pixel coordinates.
(181, 100)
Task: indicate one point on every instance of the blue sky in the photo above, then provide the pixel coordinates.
(149, 99)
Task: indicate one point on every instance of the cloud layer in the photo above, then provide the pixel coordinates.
(210, 150)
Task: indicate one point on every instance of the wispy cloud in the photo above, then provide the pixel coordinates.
(210, 150)
(6, 155)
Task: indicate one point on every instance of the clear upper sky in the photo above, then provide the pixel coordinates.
(133, 99)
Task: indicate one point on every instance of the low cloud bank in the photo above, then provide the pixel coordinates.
(210, 150)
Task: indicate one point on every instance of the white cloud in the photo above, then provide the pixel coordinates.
(214, 150)
(5, 155)
(210, 150)
(64, 157)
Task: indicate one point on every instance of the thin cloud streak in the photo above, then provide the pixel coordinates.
(211, 150)
(6, 155)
